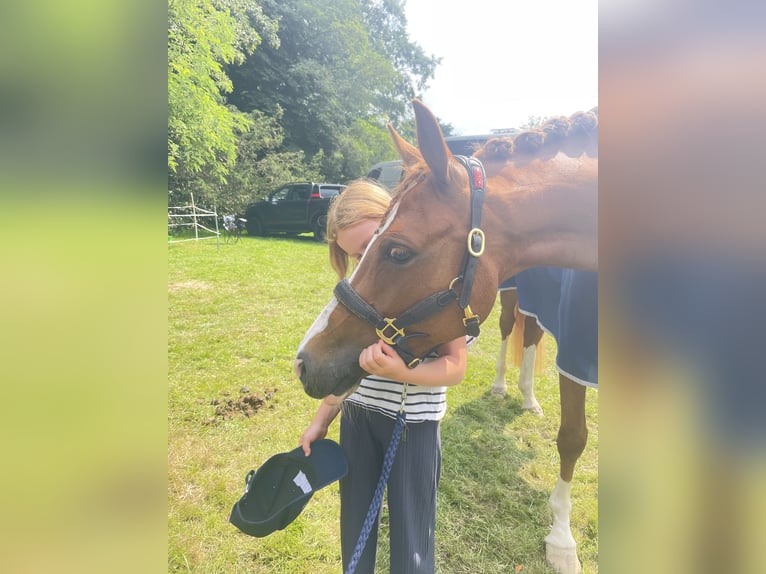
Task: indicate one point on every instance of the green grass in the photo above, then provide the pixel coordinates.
(236, 317)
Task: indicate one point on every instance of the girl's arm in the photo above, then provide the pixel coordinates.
(447, 370)
(317, 429)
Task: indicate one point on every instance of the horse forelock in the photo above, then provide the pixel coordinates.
(413, 175)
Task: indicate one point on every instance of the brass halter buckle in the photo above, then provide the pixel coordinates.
(414, 363)
(471, 322)
(480, 234)
(469, 314)
(390, 338)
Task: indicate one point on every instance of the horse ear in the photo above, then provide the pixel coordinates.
(431, 141)
(408, 152)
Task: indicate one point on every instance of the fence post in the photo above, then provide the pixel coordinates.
(194, 217)
(217, 231)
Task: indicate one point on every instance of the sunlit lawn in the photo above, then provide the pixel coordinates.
(236, 316)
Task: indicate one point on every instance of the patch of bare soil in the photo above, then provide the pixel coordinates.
(246, 404)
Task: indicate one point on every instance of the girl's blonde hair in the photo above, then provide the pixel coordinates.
(363, 199)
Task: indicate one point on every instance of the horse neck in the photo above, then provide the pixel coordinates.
(545, 213)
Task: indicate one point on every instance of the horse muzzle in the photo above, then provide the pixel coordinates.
(333, 374)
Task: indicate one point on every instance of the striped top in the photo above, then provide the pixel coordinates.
(385, 396)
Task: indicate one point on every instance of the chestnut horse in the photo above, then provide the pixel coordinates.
(454, 230)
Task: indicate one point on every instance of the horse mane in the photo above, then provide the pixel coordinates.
(573, 136)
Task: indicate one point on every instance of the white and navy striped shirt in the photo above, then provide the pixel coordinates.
(385, 396)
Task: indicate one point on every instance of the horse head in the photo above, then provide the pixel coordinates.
(417, 254)
(429, 275)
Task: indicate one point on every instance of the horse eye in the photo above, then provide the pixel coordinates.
(399, 254)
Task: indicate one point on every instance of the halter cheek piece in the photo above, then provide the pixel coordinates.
(392, 330)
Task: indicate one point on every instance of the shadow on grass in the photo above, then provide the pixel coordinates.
(490, 517)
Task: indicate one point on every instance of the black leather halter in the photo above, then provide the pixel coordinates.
(392, 331)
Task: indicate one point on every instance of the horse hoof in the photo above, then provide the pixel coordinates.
(536, 410)
(563, 560)
(499, 391)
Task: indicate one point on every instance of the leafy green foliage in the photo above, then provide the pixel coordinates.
(260, 165)
(266, 92)
(339, 63)
(201, 129)
(361, 146)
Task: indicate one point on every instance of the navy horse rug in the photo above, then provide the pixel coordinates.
(565, 304)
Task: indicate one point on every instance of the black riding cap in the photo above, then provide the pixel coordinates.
(276, 494)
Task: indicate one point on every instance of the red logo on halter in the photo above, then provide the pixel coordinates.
(478, 179)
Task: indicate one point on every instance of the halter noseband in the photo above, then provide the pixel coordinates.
(392, 330)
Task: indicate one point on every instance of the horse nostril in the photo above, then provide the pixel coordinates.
(298, 368)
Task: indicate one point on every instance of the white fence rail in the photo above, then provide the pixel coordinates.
(203, 222)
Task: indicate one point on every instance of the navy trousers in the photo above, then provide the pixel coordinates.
(364, 437)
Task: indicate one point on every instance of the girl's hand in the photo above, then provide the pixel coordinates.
(382, 360)
(313, 433)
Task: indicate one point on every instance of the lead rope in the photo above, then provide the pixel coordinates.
(377, 499)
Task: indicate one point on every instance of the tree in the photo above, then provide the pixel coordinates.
(387, 27)
(343, 69)
(261, 165)
(447, 129)
(203, 37)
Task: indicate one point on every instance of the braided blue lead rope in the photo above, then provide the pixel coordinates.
(377, 499)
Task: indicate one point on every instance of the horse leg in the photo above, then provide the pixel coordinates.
(508, 300)
(560, 546)
(533, 334)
